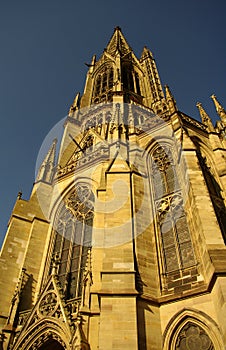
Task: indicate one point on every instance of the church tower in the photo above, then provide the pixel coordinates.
(121, 244)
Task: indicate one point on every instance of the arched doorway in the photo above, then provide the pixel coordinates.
(51, 344)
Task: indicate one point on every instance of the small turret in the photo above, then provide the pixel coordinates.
(46, 170)
(206, 120)
(155, 98)
(75, 105)
(219, 108)
(170, 100)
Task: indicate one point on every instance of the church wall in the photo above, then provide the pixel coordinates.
(210, 305)
(118, 325)
(12, 260)
(149, 325)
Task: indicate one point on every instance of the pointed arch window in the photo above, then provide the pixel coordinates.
(103, 85)
(73, 239)
(127, 78)
(193, 337)
(137, 80)
(174, 236)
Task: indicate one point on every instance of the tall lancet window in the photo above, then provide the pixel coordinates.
(174, 236)
(103, 85)
(73, 239)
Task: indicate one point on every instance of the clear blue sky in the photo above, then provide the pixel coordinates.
(44, 45)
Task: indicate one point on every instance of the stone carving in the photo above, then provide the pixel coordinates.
(193, 122)
(80, 202)
(173, 202)
(88, 144)
(49, 335)
(48, 304)
(193, 337)
(77, 161)
(162, 157)
(24, 316)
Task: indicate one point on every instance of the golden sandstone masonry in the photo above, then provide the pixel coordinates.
(122, 242)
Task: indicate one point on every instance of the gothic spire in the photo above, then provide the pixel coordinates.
(46, 170)
(75, 105)
(146, 53)
(170, 100)
(156, 99)
(118, 43)
(219, 108)
(206, 120)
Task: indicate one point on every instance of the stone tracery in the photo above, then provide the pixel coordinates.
(193, 337)
(175, 241)
(74, 239)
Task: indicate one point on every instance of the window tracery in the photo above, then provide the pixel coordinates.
(175, 241)
(73, 239)
(103, 85)
(193, 337)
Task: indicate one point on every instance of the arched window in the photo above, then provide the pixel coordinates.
(127, 78)
(98, 85)
(110, 78)
(103, 85)
(193, 337)
(175, 242)
(73, 239)
(137, 84)
(192, 329)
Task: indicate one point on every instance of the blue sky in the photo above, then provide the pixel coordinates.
(44, 45)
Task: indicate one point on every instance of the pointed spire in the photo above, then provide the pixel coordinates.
(206, 120)
(75, 105)
(219, 108)
(146, 53)
(118, 43)
(170, 100)
(92, 65)
(154, 98)
(46, 170)
(19, 195)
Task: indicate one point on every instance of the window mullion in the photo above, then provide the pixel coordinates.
(80, 259)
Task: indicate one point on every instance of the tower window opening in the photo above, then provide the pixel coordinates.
(176, 246)
(103, 85)
(127, 78)
(137, 84)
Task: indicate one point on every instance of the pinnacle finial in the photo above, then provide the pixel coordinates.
(219, 108)
(117, 28)
(206, 120)
(75, 104)
(46, 170)
(170, 100)
(19, 195)
(146, 53)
